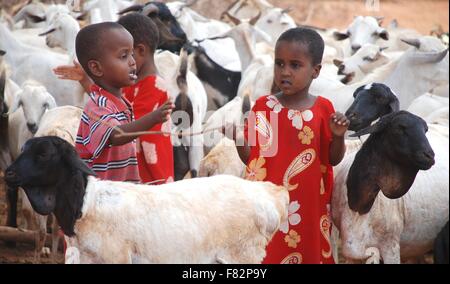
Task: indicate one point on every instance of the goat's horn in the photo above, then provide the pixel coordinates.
(133, 8)
(413, 42)
(255, 19)
(190, 3)
(47, 32)
(233, 19)
(287, 10)
(150, 9)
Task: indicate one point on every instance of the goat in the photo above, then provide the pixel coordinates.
(117, 222)
(165, 21)
(390, 162)
(221, 84)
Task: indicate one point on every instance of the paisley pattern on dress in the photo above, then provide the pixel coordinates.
(298, 165)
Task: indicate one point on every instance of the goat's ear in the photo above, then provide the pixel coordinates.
(16, 103)
(51, 101)
(71, 156)
(375, 128)
(394, 103)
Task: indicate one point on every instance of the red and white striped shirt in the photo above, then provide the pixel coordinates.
(101, 114)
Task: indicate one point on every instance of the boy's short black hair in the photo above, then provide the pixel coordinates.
(90, 42)
(308, 37)
(142, 28)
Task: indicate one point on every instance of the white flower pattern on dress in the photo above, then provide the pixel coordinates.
(293, 217)
(298, 117)
(151, 157)
(274, 104)
(161, 84)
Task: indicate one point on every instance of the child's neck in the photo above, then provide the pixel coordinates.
(148, 68)
(298, 101)
(117, 92)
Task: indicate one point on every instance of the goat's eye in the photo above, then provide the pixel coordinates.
(45, 105)
(269, 21)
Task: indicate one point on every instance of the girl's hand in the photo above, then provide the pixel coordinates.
(67, 72)
(339, 124)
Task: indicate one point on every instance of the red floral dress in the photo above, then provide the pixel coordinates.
(291, 148)
(154, 152)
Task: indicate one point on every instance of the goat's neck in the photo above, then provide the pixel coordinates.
(245, 50)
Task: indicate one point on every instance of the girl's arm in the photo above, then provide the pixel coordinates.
(338, 125)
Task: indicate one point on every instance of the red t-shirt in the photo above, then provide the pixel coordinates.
(101, 114)
(291, 148)
(154, 152)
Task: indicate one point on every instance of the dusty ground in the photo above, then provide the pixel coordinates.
(421, 15)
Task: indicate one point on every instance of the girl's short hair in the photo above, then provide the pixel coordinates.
(308, 37)
(142, 28)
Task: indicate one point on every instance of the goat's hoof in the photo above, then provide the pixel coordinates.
(45, 252)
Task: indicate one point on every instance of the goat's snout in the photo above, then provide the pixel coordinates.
(32, 127)
(11, 178)
(425, 159)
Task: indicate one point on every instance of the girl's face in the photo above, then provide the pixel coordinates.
(294, 70)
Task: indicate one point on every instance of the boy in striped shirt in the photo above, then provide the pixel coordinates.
(105, 51)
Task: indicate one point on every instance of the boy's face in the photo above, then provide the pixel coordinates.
(294, 70)
(116, 66)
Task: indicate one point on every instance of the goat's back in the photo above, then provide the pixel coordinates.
(191, 221)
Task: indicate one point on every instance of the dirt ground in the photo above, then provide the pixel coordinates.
(422, 15)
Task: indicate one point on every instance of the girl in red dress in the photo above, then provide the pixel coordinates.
(293, 139)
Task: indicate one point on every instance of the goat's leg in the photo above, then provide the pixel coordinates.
(55, 239)
(390, 252)
(11, 200)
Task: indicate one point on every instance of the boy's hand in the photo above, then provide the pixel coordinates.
(67, 72)
(339, 124)
(164, 111)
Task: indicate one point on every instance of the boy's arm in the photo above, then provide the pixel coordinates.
(75, 73)
(338, 125)
(144, 123)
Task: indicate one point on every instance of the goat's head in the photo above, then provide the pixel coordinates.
(61, 31)
(403, 139)
(44, 170)
(35, 101)
(371, 102)
(172, 36)
(389, 160)
(361, 31)
(365, 60)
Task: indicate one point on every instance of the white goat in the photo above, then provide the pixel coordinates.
(169, 65)
(25, 60)
(119, 222)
